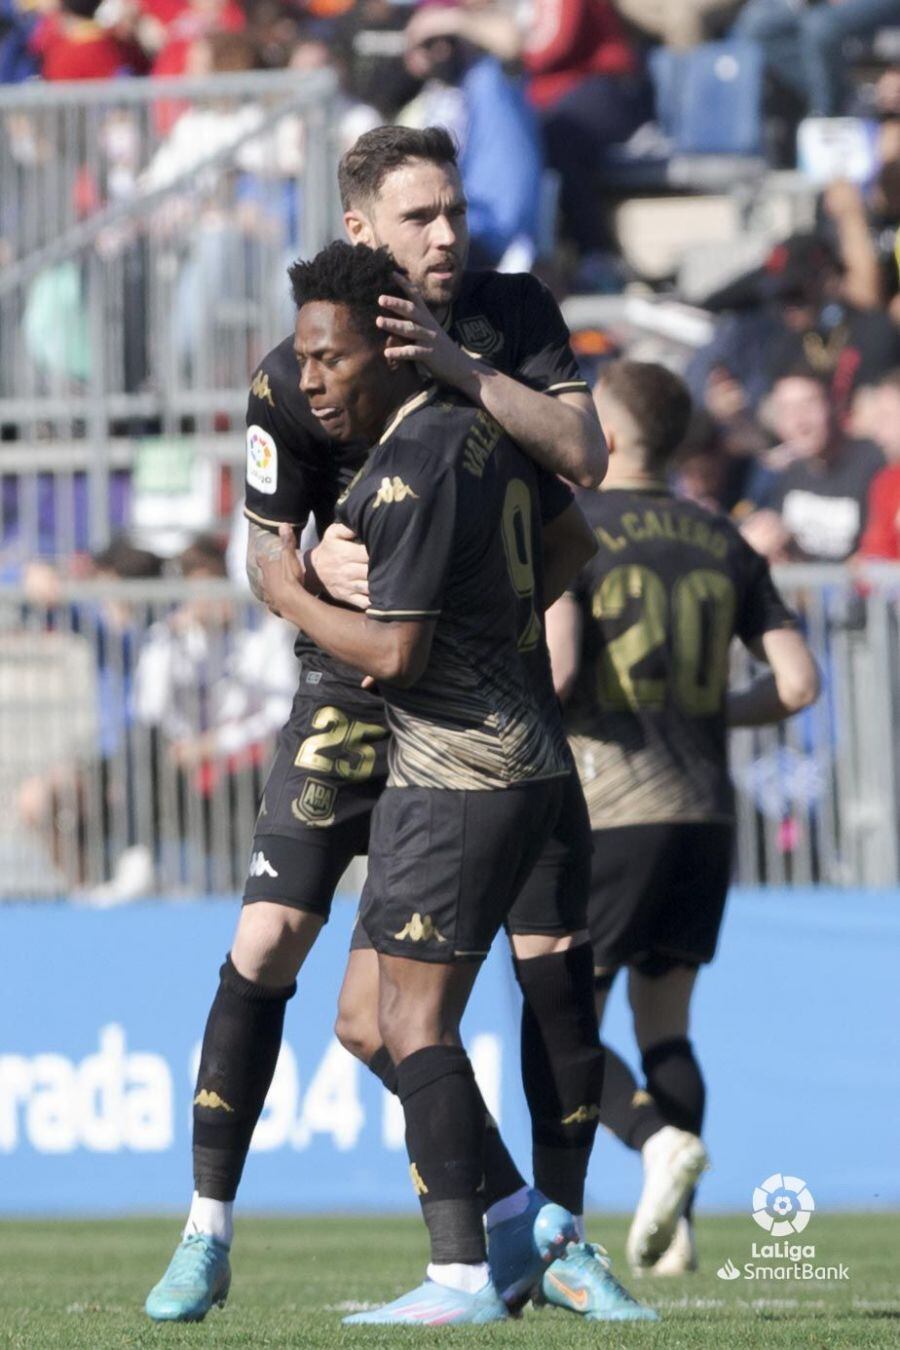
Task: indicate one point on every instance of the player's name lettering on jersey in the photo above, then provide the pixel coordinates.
(641, 526)
(392, 490)
(481, 443)
(261, 389)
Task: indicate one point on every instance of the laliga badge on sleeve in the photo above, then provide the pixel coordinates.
(262, 460)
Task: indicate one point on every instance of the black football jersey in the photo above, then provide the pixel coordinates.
(669, 588)
(294, 468)
(451, 513)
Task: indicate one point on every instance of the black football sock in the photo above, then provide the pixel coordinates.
(562, 1069)
(501, 1176)
(237, 1064)
(384, 1068)
(675, 1081)
(445, 1141)
(626, 1110)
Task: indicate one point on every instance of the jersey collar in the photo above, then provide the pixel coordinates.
(656, 487)
(417, 400)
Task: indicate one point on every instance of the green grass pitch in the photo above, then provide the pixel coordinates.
(70, 1284)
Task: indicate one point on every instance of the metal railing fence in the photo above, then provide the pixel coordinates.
(145, 231)
(137, 720)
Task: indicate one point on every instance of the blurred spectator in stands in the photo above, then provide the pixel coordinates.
(881, 538)
(216, 691)
(313, 51)
(173, 26)
(17, 23)
(369, 41)
(81, 808)
(811, 301)
(589, 89)
(71, 44)
(822, 495)
(586, 83)
(231, 215)
(803, 43)
(682, 24)
(467, 91)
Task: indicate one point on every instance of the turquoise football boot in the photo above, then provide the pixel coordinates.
(582, 1282)
(520, 1248)
(434, 1305)
(198, 1276)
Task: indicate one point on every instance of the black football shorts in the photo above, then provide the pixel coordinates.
(446, 866)
(329, 769)
(658, 894)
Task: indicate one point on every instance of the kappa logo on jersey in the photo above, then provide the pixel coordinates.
(392, 490)
(262, 460)
(261, 389)
(479, 335)
(261, 867)
(419, 930)
(315, 805)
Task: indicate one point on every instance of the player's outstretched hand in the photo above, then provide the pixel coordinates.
(280, 571)
(342, 565)
(419, 337)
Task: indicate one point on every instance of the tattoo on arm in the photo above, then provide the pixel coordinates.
(260, 542)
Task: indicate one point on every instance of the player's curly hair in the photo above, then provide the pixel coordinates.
(347, 274)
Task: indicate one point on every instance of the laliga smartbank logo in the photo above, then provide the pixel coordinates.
(782, 1205)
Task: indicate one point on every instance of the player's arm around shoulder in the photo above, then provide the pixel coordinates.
(545, 411)
(395, 652)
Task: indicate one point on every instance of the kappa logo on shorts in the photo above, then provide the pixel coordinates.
(418, 929)
(480, 335)
(315, 805)
(261, 867)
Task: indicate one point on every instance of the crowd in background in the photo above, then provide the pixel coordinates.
(561, 109)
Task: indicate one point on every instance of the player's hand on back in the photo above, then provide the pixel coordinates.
(342, 566)
(419, 337)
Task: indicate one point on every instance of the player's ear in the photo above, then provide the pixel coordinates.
(610, 437)
(359, 228)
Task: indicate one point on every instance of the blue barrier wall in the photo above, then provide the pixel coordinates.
(101, 1016)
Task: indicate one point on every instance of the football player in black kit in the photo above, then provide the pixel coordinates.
(404, 187)
(640, 650)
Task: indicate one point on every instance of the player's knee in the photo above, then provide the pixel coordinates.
(272, 941)
(357, 1031)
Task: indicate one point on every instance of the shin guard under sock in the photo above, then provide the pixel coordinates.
(501, 1176)
(237, 1064)
(562, 1069)
(445, 1141)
